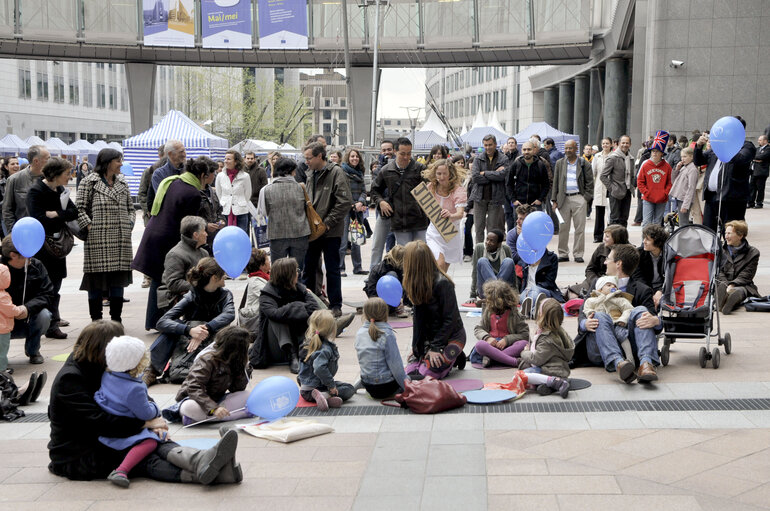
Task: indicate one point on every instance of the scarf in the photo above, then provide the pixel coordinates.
(187, 177)
(352, 172)
(260, 273)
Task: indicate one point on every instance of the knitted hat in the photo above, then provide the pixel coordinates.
(660, 142)
(601, 281)
(124, 353)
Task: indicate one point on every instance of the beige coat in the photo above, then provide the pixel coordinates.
(600, 191)
(617, 305)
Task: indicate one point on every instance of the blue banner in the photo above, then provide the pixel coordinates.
(226, 23)
(283, 24)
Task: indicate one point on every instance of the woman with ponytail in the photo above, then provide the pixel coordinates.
(176, 198)
(199, 315)
(382, 370)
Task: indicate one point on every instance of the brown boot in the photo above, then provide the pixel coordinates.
(647, 372)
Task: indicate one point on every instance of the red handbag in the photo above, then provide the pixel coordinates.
(427, 396)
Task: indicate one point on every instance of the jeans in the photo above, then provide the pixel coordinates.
(5, 344)
(510, 219)
(153, 314)
(161, 350)
(757, 190)
(674, 205)
(489, 215)
(242, 221)
(289, 247)
(619, 209)
(355, 250)
(330, 248)
(485, 272)
(644, 341)
(344, 390)
(535, 291)
(653, 212)
(404, 237)
(55, 316)
(32, 329)
(381, 234)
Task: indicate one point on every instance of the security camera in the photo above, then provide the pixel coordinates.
(676, 64)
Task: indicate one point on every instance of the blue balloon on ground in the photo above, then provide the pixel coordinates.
(126, 169)
(273, 398)
(232, 250)
(390, 290)
(528, 253)
(537, 229)
(727, 136)
(28, 236)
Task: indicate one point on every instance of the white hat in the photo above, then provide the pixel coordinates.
(124, 353)
(602, 281)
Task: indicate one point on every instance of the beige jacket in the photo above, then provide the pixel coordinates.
(617, 305)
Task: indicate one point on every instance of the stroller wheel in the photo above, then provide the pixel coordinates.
(703, 356)
(715, 358)
(727, 342)
(664, 353)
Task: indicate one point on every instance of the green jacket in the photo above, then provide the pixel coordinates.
(553, 351)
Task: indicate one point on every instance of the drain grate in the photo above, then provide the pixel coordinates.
(661, 405)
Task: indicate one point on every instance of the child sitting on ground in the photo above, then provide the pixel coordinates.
(607, 298)
(503, 333)
(382, 370)
(546, 361)
(319, 357)
(122, 393)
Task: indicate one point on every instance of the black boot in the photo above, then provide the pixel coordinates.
(116, 309)
(95, 309)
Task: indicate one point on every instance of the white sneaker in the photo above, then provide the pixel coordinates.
(526, 306)
(538, 303)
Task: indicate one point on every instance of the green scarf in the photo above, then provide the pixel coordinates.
(187, 177)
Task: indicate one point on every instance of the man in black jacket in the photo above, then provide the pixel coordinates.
(528, 181)
(760, 169)
(35, 317)
(391, 191)
(602, 344)
(725, 182)
(488, 174)
(257, 174)
(511, 151)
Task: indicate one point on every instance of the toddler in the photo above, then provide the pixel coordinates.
(8, 312)
(123, 393)
(319, 357)
(545, 362)
(382, 370)
(607, 298)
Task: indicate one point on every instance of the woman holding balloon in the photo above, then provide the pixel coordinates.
(105, 209)
(438, 334)
(176, 198)
(445, 183)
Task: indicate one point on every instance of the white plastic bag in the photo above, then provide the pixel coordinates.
(287, 430)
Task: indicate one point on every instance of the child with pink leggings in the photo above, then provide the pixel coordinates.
(503, 333)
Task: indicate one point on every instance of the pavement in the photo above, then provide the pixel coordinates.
(699, 439)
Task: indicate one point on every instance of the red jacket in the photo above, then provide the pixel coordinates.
(654, 181)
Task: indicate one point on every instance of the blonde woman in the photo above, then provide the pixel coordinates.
(445, 181)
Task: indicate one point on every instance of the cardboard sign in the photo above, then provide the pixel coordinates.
(431, 207)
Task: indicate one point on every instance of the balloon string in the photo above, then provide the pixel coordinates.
(24, 289)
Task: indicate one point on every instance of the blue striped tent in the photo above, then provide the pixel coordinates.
(141, 150)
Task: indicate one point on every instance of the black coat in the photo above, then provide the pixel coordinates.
(734, 181)
(438, 321)
(215, 309)
(545, 276)
(528, 183)
(162, 231)
(77, 422)
(39, 295)
(40, 199)
(596, 267)
(762, 167)
(645, 272)
(291, 306)
(378, 271)
(740, 268)
(407, 213)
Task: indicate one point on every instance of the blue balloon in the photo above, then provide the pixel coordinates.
(390, 290)
(28, 236)
(528, 253)
(727, 136)
(273, 398)
(23, 161)
(537, 229)
(232, 250)
(126, 169)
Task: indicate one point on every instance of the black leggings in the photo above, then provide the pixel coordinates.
(382, 390)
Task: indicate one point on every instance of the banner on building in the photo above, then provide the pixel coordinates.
(169, 22)
(431, 207)
(226, 23)
(282, 24)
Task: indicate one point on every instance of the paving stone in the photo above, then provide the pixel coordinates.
(448, 492)
(456, 460)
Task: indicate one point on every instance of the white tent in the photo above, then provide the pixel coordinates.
(545, 130)
(433, 123)
(101, 144)
(116, 146)
(494, 123)
(56, 146)
(287, 147)
(13, 145)
(478, 121)
(258, 146)
(83, 148)
(465, 129)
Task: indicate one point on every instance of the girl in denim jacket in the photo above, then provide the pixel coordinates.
(319, 359)
(382, 370)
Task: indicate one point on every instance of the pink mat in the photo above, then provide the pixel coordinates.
(302, 403)
(465, 385)
(401, 324)
(490, 368)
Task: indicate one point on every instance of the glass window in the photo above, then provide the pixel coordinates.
(487, 101)
(495, 99)
(327, 114)
(343, 102)
(113, 98)
(100, 96)
(74, 90)
(327, 102)
(58, 82)
(503, 99)
(25, 81)
(88, 91)
(504, 71)
(41, 72)
(342, 133)
(342, 114)
(474, 76)
(497, 71)
(462, 108)
(50, 19)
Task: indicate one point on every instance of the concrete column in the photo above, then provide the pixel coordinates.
(551, 106)
(615, 98)
(140, 80)
(580, 112)
(566, 101)
(361, 90)
(595, 106)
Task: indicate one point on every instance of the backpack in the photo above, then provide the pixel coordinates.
(9, 398)
(181, 361)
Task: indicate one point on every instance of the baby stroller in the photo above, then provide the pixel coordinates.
(689, 306)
